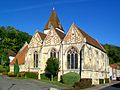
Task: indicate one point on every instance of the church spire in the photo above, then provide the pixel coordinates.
(54, 22)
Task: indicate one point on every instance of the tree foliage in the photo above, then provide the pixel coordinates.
(113, 53)
(52, 66)
(16, 67)
(11, 38)
(5, 59)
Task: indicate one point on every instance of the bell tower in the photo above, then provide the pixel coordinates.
(53, 22)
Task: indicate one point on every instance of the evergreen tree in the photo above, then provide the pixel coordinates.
(16, 67)
(52, 66)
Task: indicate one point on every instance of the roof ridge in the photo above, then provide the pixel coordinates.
(60, 34)
(26, 44)
(42, 35)
(90, 39)
(101, 46)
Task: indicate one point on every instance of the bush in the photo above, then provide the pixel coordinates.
(16, 67)
(106, 80)
(4, 69)
(44, 77)
(21, 74)
(101, 81)
(52, 66)
(5, 73)
(83, 83)
(55, 78)
(70, 78)
(33, 75)
(11, 74)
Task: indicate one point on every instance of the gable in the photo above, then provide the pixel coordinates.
(90, 40)
(36, 40)
(20, 56)
(52, 38)
(73, 36)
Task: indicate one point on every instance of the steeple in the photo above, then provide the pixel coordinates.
(53, 22)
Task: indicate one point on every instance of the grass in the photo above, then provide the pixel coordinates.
(46, 81)
(24, 78)
(58, 83)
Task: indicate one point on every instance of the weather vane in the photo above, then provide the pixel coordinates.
(53, 5)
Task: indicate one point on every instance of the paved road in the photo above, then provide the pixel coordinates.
(112, 87)
(13, 84)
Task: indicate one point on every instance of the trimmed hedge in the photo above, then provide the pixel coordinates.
(4, 69)
(21, 74)
(5, 73)
(33, 75)
(70, 78)
(106, 80)
(101, 81)
(11, 74)
(47, 77)
(83, 83)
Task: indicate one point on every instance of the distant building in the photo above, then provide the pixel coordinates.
(114, 71)
(76, 51)
(11, 54)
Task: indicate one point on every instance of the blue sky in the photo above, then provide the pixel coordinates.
(99, 18)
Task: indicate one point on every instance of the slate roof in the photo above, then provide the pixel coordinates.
(20, 56)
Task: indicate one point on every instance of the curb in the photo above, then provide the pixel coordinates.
(101, 86)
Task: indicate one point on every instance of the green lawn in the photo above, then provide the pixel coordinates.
(48, 81)
(57, 83)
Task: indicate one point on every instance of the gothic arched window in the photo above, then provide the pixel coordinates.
(35, 59)
(72, 59)
(53, 53)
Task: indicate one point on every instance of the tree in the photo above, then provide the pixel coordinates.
(13, 39)
(16, 67)
(113, 53)
(5, 59)
(52, 66)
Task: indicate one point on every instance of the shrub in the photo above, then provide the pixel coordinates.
(11, 74)
(21, 74)
(52, 66)
(33, 75)
(106, 80)
(7, 68)
(4, 69)
(83, 83)
(16, 67)
(70, 78)
(101, 81)
(44, 77)
(55, 78)
(5, 73)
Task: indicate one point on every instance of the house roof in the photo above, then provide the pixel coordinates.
(11, 53)
(114, 66)
(91, 40)
(61, 34)
(54, 21)
(20, 56)
(42, 35)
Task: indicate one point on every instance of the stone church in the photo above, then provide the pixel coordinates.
(76, 51)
